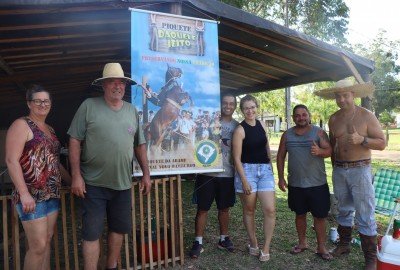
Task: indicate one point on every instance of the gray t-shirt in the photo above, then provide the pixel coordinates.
(227, 129)
(304, 169)
(108, 140)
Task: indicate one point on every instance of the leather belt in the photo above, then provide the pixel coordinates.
(352, 164)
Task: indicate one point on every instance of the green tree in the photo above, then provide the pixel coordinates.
(386, 119)
(384, 53)
(272, 102)
(324, 19)
(319, 108)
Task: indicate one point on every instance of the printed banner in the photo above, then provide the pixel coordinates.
(175, 62)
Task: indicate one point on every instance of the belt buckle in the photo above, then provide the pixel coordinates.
(346, 165)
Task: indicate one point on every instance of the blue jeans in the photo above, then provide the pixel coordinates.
(42, 209)
(355, 193)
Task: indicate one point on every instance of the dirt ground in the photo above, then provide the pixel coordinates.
(386, 155)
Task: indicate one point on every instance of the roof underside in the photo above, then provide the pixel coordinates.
(64, 44)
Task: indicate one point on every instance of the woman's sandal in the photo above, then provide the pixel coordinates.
(253, 251)
(263, 257)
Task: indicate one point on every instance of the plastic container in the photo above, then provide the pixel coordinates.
(396, 229)
(388, 258)
(333, 234)
(388, 255)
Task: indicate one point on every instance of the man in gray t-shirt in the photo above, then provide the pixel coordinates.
(308, 190)
(217, 186)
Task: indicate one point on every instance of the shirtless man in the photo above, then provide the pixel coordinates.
(354, 131)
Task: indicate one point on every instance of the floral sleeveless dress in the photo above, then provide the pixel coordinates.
(40, 162)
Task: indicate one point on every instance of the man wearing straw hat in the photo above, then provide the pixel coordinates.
(354, 132)
(104, 135)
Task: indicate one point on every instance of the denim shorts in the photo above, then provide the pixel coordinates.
(259, 176)
(42, 209)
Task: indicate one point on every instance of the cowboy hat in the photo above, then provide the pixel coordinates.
(113, 71)
(346, 85)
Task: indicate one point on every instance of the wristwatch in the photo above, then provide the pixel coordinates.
(365, 141)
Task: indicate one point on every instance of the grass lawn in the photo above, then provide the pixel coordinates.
(285, 236)
(394, 139)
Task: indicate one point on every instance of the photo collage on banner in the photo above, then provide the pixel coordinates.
(175, 62)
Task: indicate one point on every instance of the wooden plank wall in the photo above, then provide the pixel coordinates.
(157, 216)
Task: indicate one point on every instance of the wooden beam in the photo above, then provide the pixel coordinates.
(92, 43)
(352, 68)
(63, 58)
(250, 70)
(54, 9)
(64, 24)
(109, 35)
(328, 75)
(232, 81)
(240, 75)
(246, 59)
(277, 41)
(77, 62)
(65, 53)
(227, 86)
(266, 53)
(8, 70)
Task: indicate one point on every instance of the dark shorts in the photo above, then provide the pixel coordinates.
(98, 203)
(42, 209)
(313, 199)
(208, 188)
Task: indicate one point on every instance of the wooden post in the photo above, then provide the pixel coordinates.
(172, 217)
(73, 225)
(165, 218)
(5, 233)
(16, 249)
(134, 241)
(157, 201)
(64, 230)
(180, 216)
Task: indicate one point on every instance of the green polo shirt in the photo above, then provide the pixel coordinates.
(108, 140)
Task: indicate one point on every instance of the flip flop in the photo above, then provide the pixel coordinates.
(325, 256)
(296, 250)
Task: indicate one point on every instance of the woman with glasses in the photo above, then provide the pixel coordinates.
(32, 157)
(254, 176)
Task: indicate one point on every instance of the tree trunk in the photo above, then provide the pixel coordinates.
(387, 135)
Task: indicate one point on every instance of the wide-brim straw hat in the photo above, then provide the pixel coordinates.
(346, 85)
(113, 71)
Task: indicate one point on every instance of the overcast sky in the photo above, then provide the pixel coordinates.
(368, 16)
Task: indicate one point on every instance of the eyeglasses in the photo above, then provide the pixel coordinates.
(249, 108)
(38, 102)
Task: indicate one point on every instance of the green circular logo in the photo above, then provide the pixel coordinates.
(206, 152)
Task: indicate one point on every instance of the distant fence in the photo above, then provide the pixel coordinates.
(156, 239)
